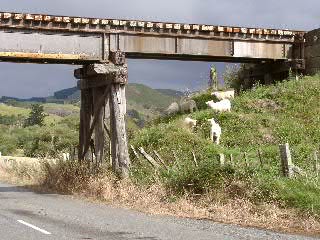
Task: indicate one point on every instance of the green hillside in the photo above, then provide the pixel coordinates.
(147, 97)
(260, 119)
(137, 94)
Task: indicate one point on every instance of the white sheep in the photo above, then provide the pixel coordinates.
(222, 106)
(220, 95)
(190, 123)
(215, 131)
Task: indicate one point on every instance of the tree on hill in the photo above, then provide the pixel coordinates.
(36, 116)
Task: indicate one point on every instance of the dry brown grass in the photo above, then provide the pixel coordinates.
(156, 200)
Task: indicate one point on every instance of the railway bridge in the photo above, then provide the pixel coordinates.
(102, 46)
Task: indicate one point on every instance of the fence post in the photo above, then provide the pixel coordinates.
(222, 159)
(260, 156)
(316, 163)
(286, 160)
(245, 155)
(231, 159)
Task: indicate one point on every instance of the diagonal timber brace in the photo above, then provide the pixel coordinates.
(103, 86)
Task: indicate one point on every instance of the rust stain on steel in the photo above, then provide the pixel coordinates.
(44, 56)
(236, 30)
(228, 29)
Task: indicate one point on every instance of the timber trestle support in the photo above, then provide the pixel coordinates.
(103, 110)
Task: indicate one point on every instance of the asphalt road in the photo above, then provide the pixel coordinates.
(28, 215)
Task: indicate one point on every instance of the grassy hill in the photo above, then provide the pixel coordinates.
(260, 119)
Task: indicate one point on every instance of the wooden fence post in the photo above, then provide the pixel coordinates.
(316, 163)
(286, 161)
(245, 155)
(222, 159)
(260, 156)
(231, 159)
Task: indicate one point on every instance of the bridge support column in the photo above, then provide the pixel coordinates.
(102, 99)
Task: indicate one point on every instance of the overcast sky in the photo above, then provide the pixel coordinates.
(26, 80)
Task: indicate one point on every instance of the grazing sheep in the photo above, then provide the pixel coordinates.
(220, 95)
(215, 132)
(190, 123)
(222, 106)
(188, 105)
(172, 109)
(185, 105)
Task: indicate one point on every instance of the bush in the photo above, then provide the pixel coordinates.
(201, 99)
(36, 116)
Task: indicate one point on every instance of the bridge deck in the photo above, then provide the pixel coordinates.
(76, 40)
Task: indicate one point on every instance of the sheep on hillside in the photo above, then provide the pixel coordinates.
(215, 131)
(185, 105)
(222, 106)
(220, 95)
(172, 109)
(190, 123)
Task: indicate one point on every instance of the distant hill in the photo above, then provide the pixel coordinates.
(147, 97)
(141, 100)
(65, 93)
(170, 92)
(33, 99)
